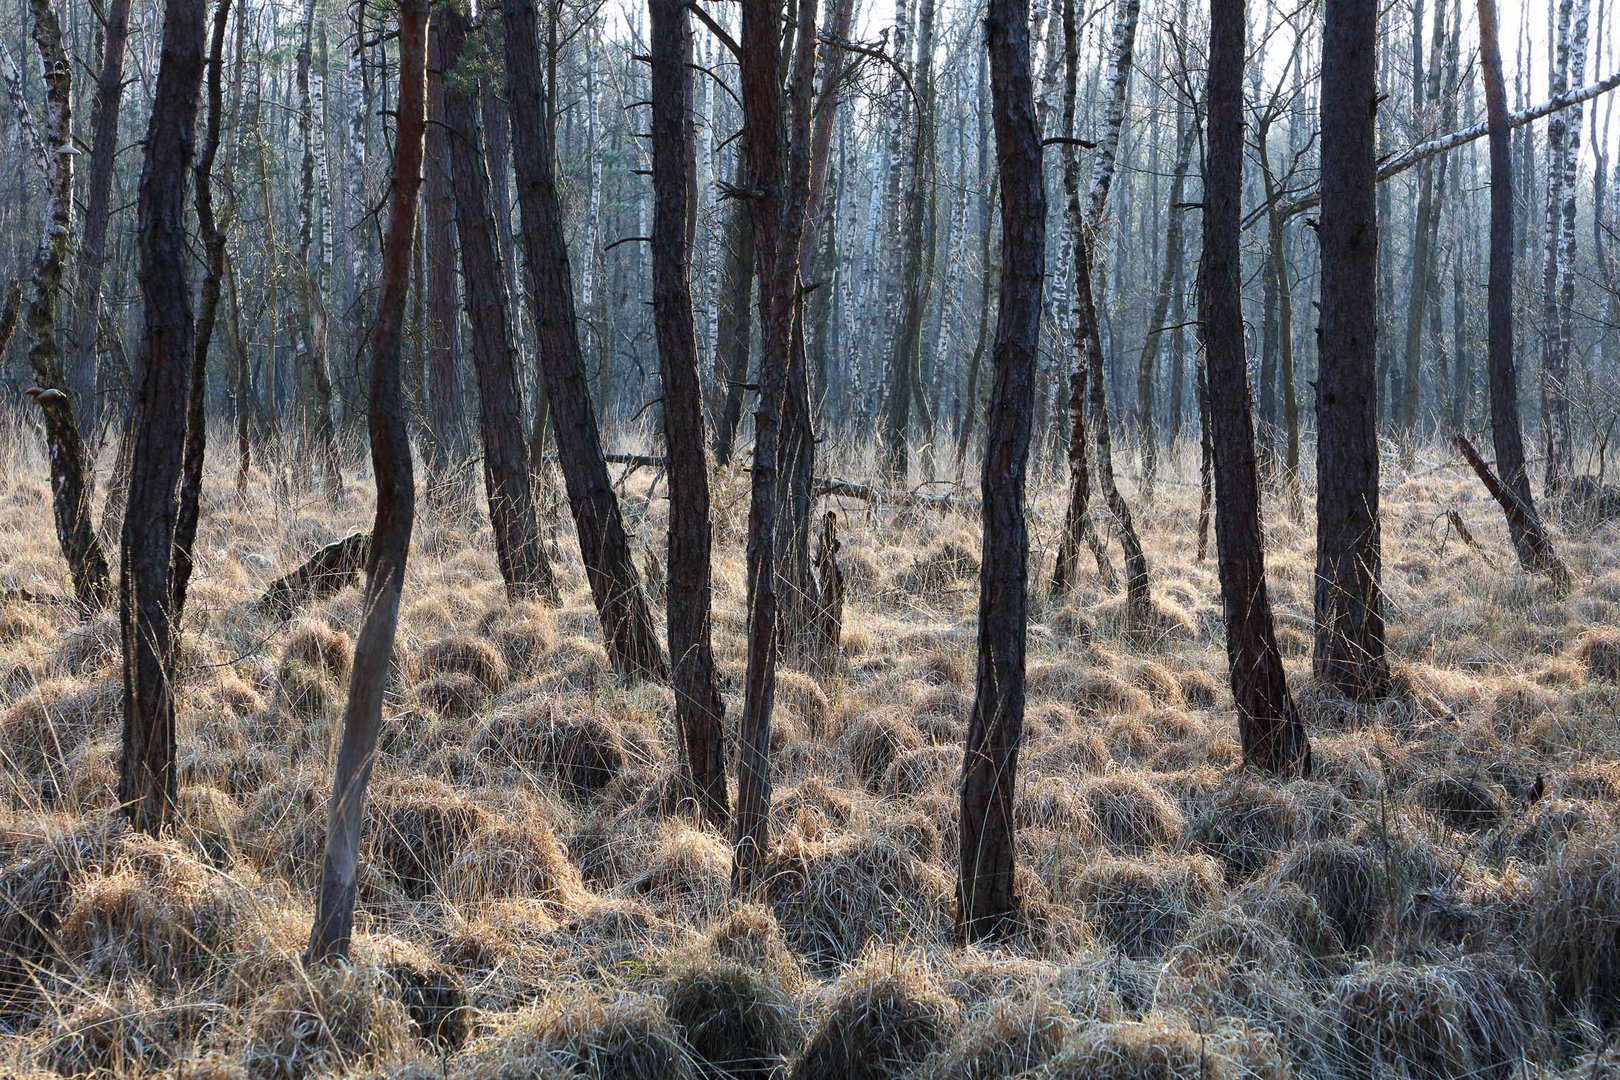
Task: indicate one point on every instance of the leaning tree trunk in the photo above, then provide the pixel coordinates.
(147, 781)
(986, 901)
(778, 160)
(396, 512)
(699, 711)
(97, 214)
(1349, 648)
(621, 604)
(69, 460)
(1530, 540)
(213, 238)
(507, 486)
(1272, 735)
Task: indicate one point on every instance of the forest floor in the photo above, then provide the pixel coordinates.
(1440, 899)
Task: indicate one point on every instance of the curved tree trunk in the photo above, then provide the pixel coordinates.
(507, 487)
(1349, 601)
(986, 902)
(69, 460)
(147, 781)
(1273, 736)
(699, 711)
(396, 512)
(621, 604)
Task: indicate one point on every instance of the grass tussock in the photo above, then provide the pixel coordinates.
(1438, 898)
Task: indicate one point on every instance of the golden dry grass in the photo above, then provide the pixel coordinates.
(1441, 899)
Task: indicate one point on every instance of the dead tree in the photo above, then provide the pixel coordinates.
(396, 511)
(69, 460)
(1349, 600)
(621, 604)
(507, 486)
(97, 215)
(1530, 540)
(986, 901)
(779, 178)
(1272, 735)
(147, 784)
(699, 711)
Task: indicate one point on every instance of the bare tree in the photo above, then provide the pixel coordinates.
(1349, 601)
(699, 710)
(69, 460)
(986, 901)
(396, 511)
(1272, 735)
(507, 486)
(621, 604)
(147, 784)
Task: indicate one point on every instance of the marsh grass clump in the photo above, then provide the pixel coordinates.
(417, 831)
(1132, 815)
(1598, 650)
(1160, 1048)
(628, 1037)
(1143, 905)
(1348, 882)
(886, 1015)
(1573, 926)
(1006, 1038)
(582, 751)
(738, 1021)
(1466, 802)
(326, 1019)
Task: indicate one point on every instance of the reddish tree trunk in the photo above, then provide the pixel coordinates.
(986, 902)
(396, 512)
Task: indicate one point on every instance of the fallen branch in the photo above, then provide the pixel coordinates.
(1444, 143)
(832, 485)
(1520, 517)
(326, 573)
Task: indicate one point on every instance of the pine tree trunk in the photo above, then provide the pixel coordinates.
(522, 559)
(735, 324)
(778, 149)
(147, 781)
(447, 447)
(396, 512)
(1530, 542)
(621, 604)
(986, 899)
(97, 215)
(1272, 735)
(699, 711)
(1349, 600)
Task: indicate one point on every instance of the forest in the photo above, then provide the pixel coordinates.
(809, 539)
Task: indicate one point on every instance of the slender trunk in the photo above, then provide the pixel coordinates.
(1530, 541)
(1147, 364)
(147, 780)
(396, 512)
(1349, 600)
(448, 451)
(986, 898)
(1272, 735)
(97, 214)
(735, 324)
(699, 711)
(621, 604)
(779, 168)
(522, 559)
(69, 460)
(320, 437)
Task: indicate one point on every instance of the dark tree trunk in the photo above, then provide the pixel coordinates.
(735, 323)
(1349, 649)
(191, 474)
(522, 558)
(147, 783)
(1147, 423)
(627, 626)
(97, 214)
(698, 708)
(1530, 541)
(447, 449)
(396, 512)
(986, 901)
(69, 460)
(1273, 736)
(778, 150)
(314, 376)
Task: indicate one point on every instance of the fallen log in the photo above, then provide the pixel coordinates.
(326, 573)
(832, 485)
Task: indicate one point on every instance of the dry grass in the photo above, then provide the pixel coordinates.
(1438, 900)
